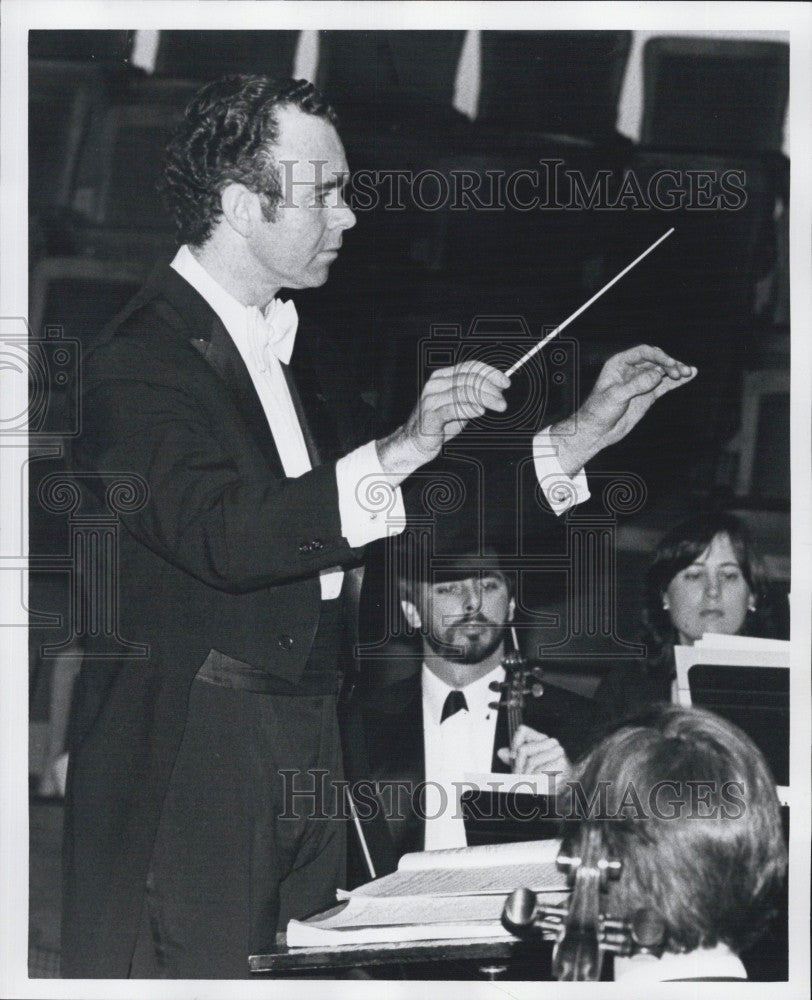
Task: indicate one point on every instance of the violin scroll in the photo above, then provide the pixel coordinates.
(582, 933)
(521, 682)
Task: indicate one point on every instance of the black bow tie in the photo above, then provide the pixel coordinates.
(454, 703)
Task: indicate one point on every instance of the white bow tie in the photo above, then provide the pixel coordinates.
(275, 329)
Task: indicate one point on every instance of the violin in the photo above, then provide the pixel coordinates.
(582, 933)
(521, 682)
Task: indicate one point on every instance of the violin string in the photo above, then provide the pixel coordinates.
(514, 712)
(514, 721)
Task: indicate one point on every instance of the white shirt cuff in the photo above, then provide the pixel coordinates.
(369, 506)
(561, 491)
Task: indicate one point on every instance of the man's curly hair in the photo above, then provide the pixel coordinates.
(227, 136)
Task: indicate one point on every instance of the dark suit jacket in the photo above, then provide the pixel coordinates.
(384, 743)
(223, 556)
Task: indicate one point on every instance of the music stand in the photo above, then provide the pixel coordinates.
(506, 808)
(748, 687)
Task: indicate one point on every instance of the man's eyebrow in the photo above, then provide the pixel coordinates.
(338, 181)
(485, 574)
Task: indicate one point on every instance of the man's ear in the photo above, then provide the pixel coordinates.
(411, 614)
(240, 207)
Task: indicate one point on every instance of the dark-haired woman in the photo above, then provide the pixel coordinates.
(704, 577)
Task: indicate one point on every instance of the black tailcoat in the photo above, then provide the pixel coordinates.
(224, 555)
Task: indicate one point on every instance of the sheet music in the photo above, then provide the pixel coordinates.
(365, 911)
(529, 851)
(717, 640)
(517, 784)
(466, 881)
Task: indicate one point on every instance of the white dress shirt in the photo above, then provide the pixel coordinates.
(462, 744)
(642, 970)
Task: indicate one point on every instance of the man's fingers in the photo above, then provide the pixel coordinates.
(647, 352)
(533, 753)
(470, 383)
(456, 410)
(530, 760)
(457, 403)
(485, 372)
(667, 384)
(450, 398)
(474, 371)
(641, 382)
(536, 764)
(475, 382)
(528, 744)
(526, 734)
(482, 393)
(677, 371)
(652, 378)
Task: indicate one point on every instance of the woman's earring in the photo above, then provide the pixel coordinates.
(751, 606)
(665, 604)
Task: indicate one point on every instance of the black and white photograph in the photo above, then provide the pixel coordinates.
(405, 478)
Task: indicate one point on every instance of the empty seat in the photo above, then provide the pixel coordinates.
(100, 46)
(71, 300)
(62, 97)
(123, 159)
(760, 450)
(367, 67)
(560, 82)
(715, 94)
(206, 55)
(722, 208)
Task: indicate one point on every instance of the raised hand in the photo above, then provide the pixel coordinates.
(450, 399)
(626, 388)
(534, 753)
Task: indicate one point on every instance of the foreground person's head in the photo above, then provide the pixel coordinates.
(685, 801)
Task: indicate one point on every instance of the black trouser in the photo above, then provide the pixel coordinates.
(236, 855)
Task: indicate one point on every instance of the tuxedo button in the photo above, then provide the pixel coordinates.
(284, 641)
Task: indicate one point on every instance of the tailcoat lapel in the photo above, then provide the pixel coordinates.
(305, 380)
(188, 313)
